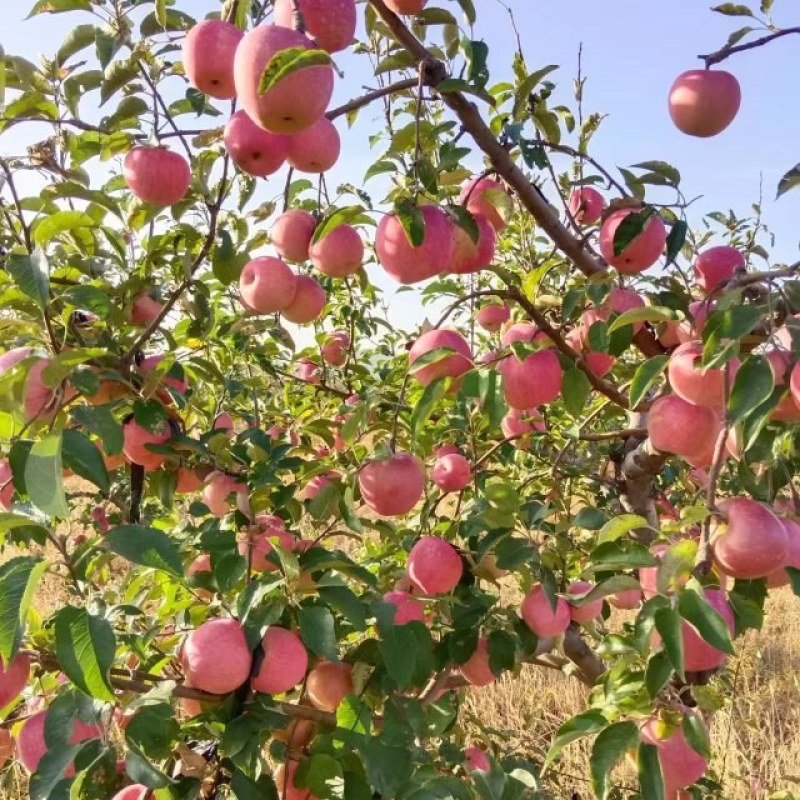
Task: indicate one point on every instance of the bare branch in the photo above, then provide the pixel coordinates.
(729, 50)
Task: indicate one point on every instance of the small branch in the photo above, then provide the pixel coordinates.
(625, 433)
(499, 293)
(728, 51)
(377, 94)
(26, 231)
(397, 410)
(165, 109)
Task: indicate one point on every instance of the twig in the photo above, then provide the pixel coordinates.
(729, 50)
(377, 94)
(625, 433)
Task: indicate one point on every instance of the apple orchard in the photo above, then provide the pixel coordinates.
(289, 538)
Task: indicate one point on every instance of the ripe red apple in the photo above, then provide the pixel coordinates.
(328, 684)
(476, 200)
(6, 489)
(780, 577)
(284, 777)
(522, 332)
(621, 300)
(315, 149)
(588, 611)
(392, 487)
(642, 252)
(292, 233)
(518, 423)
(453, 366)
(306, 370)
(627, 599)
(266, 532)
(476, 668)
(434, 566)
(407, 263)
(676, 426)
(137, 791)
(703, 386)
(296, 101)
(586, 205)
(188, 481)
(681, 765)
(538, 614)
(308, 303)
(40, 399)
(145, 308)
(31, 745)
(787, 409)
(136, 439)
(208, 51)
(477, 760)
(13, 679)
(493, 316)
(297, 735)
(599, 364)
(201, 563)
(338, 253)
(703, 102)
(267, 285)
(532, 381)
(750, 541)
(218, 488)
(254, 150)
(716, 265)
(319, 482)
(224, 423)
(698, 654)
(215, 656)
(332, 23)
(469, 256)
(335, 348)
(451, 473)
(179, 384)
(285, 662)
(407, 608)
(156, 175)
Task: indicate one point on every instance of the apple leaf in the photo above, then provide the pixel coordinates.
(290, 60)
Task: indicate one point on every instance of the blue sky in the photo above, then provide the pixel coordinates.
(632, 50)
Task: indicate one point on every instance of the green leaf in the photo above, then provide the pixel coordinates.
(523, 91)
(89, 298)
(44, 477)
(161, 13)
(320, 774)
(590, 518)
(645, 376)
(622, 555)
(83, 458)
(31, 273)
(696, 610)
(227, 265)
(317, 631)
(412, 221)
(576, 389)
(427, 402)
(733, 10)
(61, 222)
(290, 60)
(148, 547)
(659, 671)
(648, 765)
(696, 734)
(630, 228)
(85, 648)
(80, 36)
(619, 526)
(59, 6)
(388, 767)
(791, 180)
(668, 624)
(18, 580)
(350, 215)
(642, 314)
(584, 724)
(676, 240)
(609, 747)
(102, 423)
(752, 385)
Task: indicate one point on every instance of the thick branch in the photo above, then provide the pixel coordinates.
(589, 665)
(728, 50)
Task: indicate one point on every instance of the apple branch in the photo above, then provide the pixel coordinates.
(377, 94)
(730, 50)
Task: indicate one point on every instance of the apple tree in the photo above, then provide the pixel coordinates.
(287, 536)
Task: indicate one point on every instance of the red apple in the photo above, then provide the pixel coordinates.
(145, 309)
(31, 744)
(180, 384)
(787, 409)
(476, 668)
(698, 654)
(254, 150)
(315, 149)
(493, 316)
(156, 175)
(13, 679)
(477, 760)
(292, 233)
(627, 599)
(136, 439)
(452, 366)
(284, 664)
(328, 684)
(538, 614)
(703, 386)
(217, 490)
(284, 778)
(532, 381)
(392, 487)
(338, 253)
(215, 656)
(586, 205)
(308, 303)
(308, 371)
(588, 611)
(267, 285)
(6, 488)
(296, 101)
(642, 252)
(188, 481)
(717, 265)
(780, 577)
(332, 23)
(434, 566)
(407, 608)
(677, 426)
(208, 51)
(451, 473)
(681, 764)
(335, 348)
(137, 791)
(703, 102)
(472, 256)
(518, 423)
(478, 196)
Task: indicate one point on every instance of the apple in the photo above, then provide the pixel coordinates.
(264, 534)
(531, 381)
(681, 765)
(145, 308)
(434, 566)
(407, 608)
(315, 149)
(201, 565)
(703, 102)
(188, 481)
(178, 380)
(13, 679)
(493, 316)
(332, 23)
(539, 616)
(477, 760)
(586, 205)
(407, 263)
(224, 423)
(308, 303)
(599, 364)
(522, 332)
(626, 599)
(472, 256)
(677, 426)
(208, 52)
(642, 252)
(255, 151)
(335, 348)
(481, 196)
(698, 654)
(749, 541)
(518, 423)
(703, 386)
(136, 439)
(787, 409)
(319, 482)
(391, 487)
(780, 577)
(291, 234)
(136, 791)
(31, 745)
(157, 176)
(308, 371)
(297, 735)
(6, 488)
(588, 611)
(453, 366)
(451, 473)
(328, 684)
(446, 450)
(717, 265)
(267, 285)
(296, 101)
(218, 488)
(215, 656)
(339, 253)
(284, 778)
(476, 669)
(285, 662)
(621, 300)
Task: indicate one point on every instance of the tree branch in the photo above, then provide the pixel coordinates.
(366, 99)
(729, 50)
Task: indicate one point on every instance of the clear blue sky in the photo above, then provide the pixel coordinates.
(632, 49)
